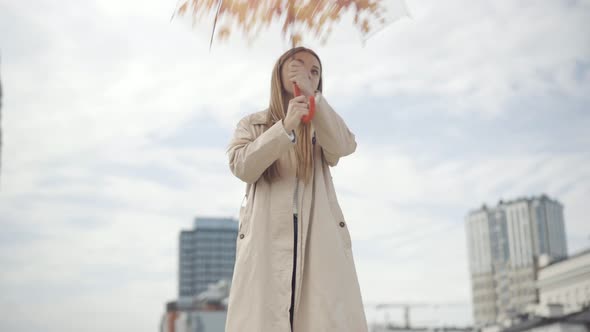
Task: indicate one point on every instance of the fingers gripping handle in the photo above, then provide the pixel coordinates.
(306, 118)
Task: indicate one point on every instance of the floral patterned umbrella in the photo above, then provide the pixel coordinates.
(316, 16)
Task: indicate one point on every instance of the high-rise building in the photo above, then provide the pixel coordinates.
(504, 243)
(207, 254)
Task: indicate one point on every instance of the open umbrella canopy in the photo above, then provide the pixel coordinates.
(297, 17)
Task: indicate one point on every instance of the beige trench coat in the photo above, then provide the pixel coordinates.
(327, 293)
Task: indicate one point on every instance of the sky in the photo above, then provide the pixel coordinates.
(115, 120)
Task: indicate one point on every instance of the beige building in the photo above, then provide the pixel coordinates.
(480, 263)
(566, 281)
(503, 245)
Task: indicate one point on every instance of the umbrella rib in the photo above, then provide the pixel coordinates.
(174, 12)
(317, 4)
(214, 24)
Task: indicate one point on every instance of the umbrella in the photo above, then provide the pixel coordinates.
(316, 16)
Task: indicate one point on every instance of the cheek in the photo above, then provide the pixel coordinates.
(287, 86)
(284, 80)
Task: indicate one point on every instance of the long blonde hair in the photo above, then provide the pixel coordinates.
(276, 112)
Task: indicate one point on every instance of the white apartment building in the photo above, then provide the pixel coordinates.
(504, 243)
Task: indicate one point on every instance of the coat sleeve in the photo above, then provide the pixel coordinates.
(332, 133)
(249, 157)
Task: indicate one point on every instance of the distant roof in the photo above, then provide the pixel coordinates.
(215, 223)
(580, 317)
(563, 259)
(502, 202)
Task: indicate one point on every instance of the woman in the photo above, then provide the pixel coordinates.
(294, 268)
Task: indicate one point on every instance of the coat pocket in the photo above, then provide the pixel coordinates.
(243, 222)
(244, 216)
(341, 224)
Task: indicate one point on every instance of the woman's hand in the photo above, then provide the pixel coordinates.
(298, 107)
(299, 75)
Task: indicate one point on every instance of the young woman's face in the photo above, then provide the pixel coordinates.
(312, 69)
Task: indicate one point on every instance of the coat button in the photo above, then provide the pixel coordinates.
(342, 224)
(241, 236)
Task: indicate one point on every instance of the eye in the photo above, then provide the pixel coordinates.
(315, 71)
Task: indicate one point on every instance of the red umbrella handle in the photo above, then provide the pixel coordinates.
(306, 118)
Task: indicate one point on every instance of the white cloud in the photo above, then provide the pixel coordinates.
(92, 201)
